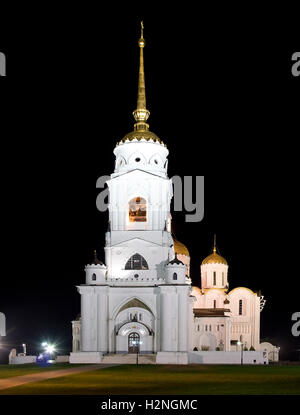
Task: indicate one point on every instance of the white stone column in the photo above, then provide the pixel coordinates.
(182, 319)
(85, 318)
(102, 311)
(227, 333)
(190, 323)
(165, 320)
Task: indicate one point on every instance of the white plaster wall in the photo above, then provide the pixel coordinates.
(177, 358)
(86, 357)
(186, 260)
(157, 192)
(216, 335)
(273, 351)
(207, 280)
(2, 325)
(156, 256)
(22, 360)
(209, 357)
(245, 327)
(62, 359)
(147, 151)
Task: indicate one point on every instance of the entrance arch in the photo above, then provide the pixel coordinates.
(133, 343)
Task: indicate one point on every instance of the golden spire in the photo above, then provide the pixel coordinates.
(214, 258)
(141, 114)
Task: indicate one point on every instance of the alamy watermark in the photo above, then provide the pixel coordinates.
(185, 199)
(296, 326)
(296, 65)
(2, 64)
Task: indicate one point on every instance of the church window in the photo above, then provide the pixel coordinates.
(215, 303)
(140, 316)
(218, 327)
(136, 276)
(198, 328)
(174, 276)
(155, 161)
(136, 262)
(137, 159)
(210, 327)
(206, 327)
(215, 278)
(94, 277)
(241, 307)
(137, 210)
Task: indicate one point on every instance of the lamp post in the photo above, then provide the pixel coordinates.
(137, 343)
(24, 349)
(242, 350)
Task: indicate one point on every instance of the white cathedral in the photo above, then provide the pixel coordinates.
(141, 300)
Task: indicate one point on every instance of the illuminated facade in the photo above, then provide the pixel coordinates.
(141, 299)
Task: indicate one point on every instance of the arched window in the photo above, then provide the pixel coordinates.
(136, 262)
(215, 278)
(94, 277)
(215, 303)
(241, 307)
(138, 210)
(174, 276)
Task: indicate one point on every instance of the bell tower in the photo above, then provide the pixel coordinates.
(142, 292)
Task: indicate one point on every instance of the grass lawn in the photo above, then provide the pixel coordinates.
(8, 371)
(171, 379)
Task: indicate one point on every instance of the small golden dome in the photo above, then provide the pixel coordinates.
(214, 258)
(180, 248)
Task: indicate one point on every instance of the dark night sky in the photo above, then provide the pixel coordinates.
(221, 96)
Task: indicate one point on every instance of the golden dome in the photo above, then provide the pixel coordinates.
(141, 135)
(214, 258)
(180, 248)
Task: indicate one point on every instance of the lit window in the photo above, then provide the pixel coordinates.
(241, 307)
(136, 262)
(137, 210)
(215, 278)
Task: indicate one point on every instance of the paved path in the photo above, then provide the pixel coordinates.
(36, 377)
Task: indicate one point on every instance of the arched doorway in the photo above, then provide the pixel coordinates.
(133, 343)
